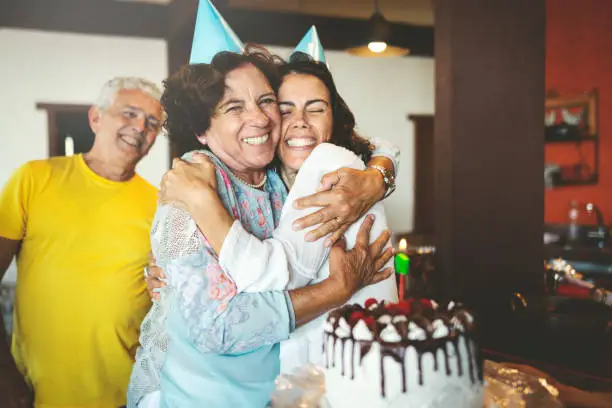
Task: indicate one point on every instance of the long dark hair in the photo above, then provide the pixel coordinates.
(193, 92)
(343, 132)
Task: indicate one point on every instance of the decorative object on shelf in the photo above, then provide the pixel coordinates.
(573, 119)
(561, 279)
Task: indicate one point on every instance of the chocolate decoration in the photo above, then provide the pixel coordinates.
(423, 317)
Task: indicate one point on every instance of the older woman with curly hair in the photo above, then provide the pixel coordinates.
(206, 343)
(317, 137)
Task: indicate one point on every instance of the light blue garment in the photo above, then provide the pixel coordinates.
(222, 347)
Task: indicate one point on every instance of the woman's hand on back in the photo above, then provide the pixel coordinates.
(354, 192)
(361, 266)
(154, 277)
(187, 184)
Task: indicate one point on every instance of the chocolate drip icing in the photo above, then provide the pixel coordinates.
(446, 362)
(342, 344)
(333, 353)
(420, 366)
(479, 364)
(382, 375)
(353, 360)
(364, 348)
(326, 349)
(398, 353)
(458, 354)
(469, 353)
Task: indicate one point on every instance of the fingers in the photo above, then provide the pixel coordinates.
(381, 276)
(315, 218)
(377, 246)
(322, 231)
(363, 236)
(156, 272)
(153, 286)
(153, 283)
(176, 162)
(329, 180)
(381, 261)
(341, 243)
(151, 258)
(334, 226)
(335, 236)
(198, 157)
(321, 199)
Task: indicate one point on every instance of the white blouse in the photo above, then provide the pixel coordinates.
(287, 261)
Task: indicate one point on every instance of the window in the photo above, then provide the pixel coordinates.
(68, 127)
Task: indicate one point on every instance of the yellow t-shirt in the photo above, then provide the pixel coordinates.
(81, 294)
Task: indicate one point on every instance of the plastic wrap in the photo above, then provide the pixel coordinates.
(304, 388)
(505, 387)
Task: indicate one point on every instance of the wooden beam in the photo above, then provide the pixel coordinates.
(489, 148)
(176, 21)
(120, 18)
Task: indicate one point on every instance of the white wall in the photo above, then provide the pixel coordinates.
(51, 67)
(381, 93)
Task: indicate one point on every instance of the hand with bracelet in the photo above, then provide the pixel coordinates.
(345, 195)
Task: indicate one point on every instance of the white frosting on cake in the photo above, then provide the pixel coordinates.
(399, 318)
(439, 329)
(416, 333)
(384, 319)
(343, 330)
(361, 332)
(390, 334)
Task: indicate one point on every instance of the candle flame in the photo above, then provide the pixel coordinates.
(403, 244)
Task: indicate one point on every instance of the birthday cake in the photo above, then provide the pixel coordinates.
(414, 353)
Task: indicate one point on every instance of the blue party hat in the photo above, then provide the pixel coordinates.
(212, 34)
(311, 45)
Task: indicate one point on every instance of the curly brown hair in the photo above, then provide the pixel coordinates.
(193, 92)
(343, 132)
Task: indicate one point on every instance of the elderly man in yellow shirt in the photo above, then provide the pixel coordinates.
(79, 227)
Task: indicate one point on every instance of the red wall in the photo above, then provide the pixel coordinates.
(579, 58)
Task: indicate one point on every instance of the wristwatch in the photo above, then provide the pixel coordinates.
(388, 179)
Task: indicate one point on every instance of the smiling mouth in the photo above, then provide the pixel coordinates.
(131, 140)
(301, 142)
(259, 140)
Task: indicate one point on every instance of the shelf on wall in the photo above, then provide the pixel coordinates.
(578, 139)
(594, 179)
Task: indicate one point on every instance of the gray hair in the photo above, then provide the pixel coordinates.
(112, 87)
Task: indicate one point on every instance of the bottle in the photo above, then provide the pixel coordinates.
(573, 228)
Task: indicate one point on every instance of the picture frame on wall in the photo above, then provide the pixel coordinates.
(571, 118)
(571, 125)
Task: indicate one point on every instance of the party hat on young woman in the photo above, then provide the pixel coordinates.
(311, 45)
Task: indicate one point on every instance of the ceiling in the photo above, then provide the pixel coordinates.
(406, 11)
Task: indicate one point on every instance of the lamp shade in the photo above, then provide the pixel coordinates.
(377, 41)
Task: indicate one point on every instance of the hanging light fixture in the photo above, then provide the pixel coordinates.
(377, 40)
